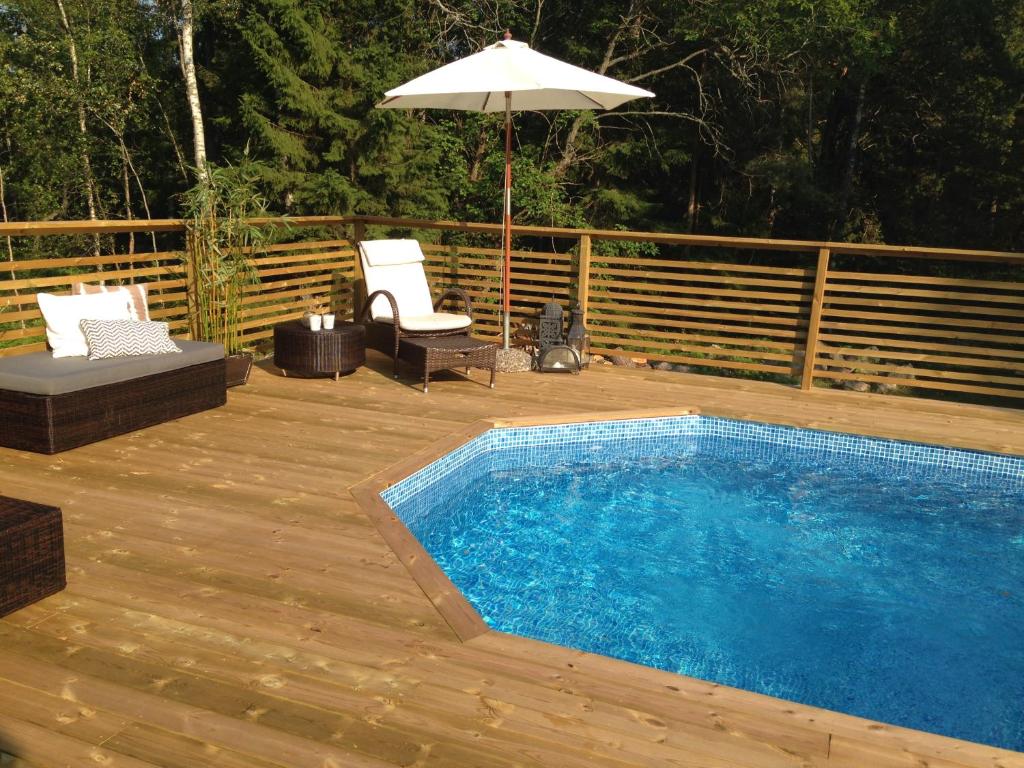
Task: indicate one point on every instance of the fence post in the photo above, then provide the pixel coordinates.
(583, 276)
(358, 279)
(817, 301)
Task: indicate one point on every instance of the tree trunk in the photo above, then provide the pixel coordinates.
(691, 208)
(126, 187)
(10, 246)
(846, 185)
(569, 151)
(83, 129)
(478, 155)
(810, 119)
(188, 72)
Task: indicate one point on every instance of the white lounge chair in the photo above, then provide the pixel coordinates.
(398, 303)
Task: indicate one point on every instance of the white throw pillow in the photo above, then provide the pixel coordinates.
(64, 314)
(136, 295)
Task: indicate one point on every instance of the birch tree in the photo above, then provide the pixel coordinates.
(183, 15)
(83, 129)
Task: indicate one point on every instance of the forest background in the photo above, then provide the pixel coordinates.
(894, 121)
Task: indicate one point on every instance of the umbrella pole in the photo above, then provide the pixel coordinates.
(506, 273)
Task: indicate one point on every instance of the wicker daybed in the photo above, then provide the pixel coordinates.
(48, 404)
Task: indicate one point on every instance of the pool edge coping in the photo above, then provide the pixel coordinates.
(468, 625)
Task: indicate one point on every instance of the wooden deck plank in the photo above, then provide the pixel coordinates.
(230, 604)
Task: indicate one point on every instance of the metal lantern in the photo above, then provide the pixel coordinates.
(559, 359)
(549, 327)
(553, 355)
(578, 337)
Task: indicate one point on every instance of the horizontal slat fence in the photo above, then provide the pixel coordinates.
(864, 316)
(700, 313)
(21, 325)
(537, 278)
(295, 277)
(923, 331)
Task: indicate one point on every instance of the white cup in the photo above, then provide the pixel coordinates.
(314, 322)
(328, 322)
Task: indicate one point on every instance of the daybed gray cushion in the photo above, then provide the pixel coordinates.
(40, 373)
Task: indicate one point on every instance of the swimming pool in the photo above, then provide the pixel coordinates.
(877, 578)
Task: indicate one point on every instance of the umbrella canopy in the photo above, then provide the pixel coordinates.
(478, 83)
(503, 77)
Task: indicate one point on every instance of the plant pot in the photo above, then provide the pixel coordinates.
(314, 322)
(238, 368)
(328, 322)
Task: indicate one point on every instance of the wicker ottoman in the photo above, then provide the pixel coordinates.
(339, 350)
(441, 353)
(31, 553)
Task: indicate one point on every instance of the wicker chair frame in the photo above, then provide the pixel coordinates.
(386, 336)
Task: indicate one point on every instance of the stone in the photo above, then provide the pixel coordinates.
(514, 361)
(661, 365)
(857, 386)
(621, 361)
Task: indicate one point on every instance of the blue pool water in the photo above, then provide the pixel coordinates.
(879, 579)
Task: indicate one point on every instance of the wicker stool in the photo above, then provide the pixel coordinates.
(440, 353)
(31, 553)
(338, 350)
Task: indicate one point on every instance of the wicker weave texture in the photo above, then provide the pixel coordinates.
(341, 349)
(31, 553)
(446, 352)
(54, 423)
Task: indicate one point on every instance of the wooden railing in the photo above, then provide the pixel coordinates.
(861, 315)
(294, 277)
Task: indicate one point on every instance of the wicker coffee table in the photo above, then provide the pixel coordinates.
(441, 353)
(339, 350)
(31, 553)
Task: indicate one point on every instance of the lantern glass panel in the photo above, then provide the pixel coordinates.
(559, 359)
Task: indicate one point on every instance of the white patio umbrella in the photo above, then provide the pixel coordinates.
(509, 76)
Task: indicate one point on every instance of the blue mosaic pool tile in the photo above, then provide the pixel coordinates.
(436, 471)
(895, 452)
(614, 441)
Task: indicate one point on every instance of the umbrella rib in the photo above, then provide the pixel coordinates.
(592, 100)
(487, 98)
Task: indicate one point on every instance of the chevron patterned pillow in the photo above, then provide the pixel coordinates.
(120, 338)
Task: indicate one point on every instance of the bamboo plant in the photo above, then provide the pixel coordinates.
(221, 242)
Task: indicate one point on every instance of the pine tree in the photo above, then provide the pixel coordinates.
(317, 69)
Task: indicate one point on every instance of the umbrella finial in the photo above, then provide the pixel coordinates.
(508, 34)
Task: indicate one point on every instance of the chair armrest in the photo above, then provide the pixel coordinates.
(368, 308)
(455, 293)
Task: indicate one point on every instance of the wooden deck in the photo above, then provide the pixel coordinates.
(229, 604)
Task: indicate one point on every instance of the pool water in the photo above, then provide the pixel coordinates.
(823, 574)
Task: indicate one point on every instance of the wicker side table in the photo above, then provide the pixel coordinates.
(31, 553)
(441, 353)
(339, 350)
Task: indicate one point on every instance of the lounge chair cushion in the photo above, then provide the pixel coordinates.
(396, 266)
(435, 321)
(41, 374)
(387, 253)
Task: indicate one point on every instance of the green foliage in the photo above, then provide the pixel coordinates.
(862, 120)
